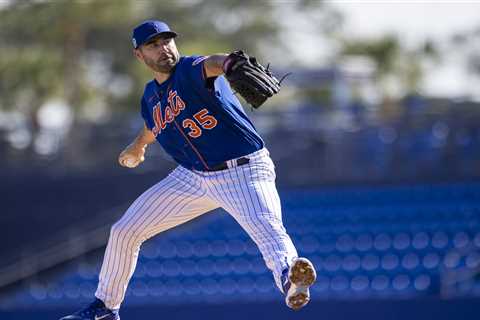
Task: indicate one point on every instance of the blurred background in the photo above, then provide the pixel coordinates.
(375, 137)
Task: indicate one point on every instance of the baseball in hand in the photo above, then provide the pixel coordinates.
(132, 156)
(130, 162)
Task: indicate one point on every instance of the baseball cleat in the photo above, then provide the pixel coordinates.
(95, 311)
(301, 275)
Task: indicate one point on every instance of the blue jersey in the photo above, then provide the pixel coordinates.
(198, 121)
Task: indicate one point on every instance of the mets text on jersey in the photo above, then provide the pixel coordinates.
(175, 105)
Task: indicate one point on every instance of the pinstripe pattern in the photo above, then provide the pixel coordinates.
(247, 192)
(176, 199)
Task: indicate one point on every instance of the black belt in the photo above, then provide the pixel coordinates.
(223, 165)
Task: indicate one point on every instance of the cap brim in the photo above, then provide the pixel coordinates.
(172, 34)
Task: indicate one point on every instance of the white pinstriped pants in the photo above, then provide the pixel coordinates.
(247, 192)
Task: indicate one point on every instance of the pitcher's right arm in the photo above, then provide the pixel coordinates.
(134, 153)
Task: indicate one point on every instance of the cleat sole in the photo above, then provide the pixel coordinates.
(302, 273)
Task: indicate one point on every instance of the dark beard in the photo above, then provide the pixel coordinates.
(163, 66)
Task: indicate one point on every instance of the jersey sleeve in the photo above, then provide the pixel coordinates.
(193, 66)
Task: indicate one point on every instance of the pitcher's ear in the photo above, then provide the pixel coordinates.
(138, 54)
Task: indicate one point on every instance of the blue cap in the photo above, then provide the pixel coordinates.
(149, 29)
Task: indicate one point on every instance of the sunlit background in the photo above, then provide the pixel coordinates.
(375, 136)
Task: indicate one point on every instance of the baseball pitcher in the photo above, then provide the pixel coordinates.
(190, 109)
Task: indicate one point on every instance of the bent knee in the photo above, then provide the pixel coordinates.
(125, 230)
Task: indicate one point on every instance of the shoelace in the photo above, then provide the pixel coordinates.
(285, 282)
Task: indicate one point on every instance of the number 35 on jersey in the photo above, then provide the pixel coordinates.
(205, 120)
